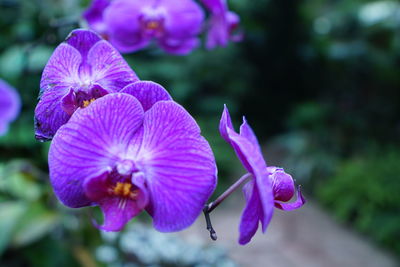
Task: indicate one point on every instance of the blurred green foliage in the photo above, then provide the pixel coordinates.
(365, 192)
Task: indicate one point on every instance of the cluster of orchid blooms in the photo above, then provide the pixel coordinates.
(175, 25)
(124, 144)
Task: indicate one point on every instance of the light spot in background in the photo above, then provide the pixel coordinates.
(106, 254)
(377, 12)
(322, 25)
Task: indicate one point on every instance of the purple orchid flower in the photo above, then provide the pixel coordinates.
(131, 25)
(82, 69)
(94, 16)
(126, 159)
(9, 106)
(270, 186)
(222, 25)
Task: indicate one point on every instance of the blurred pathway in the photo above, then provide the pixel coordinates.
(306, 238)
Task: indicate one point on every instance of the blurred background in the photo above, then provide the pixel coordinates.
(319, 82)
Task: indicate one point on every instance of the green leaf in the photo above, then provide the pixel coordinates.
(12, 62)
(35, 224)
(10, 214)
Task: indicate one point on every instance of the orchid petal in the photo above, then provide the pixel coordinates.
(68, 102)
(58, 76)
(98, 91)
(184, 18)
(282, 184)
(217, 34)
(147, 92)
(123, 27)
(61, 71)
(247, 132)
(259, 171)
(109, 68)
(95, 188)
(251, 214)
(215, 6)
(94, 15)
(91, 143)
(82, 40)
(10, 103)
(50, 114)
(179, 46)
(178, 164)
(249, 153)
(117, 211)
(300, 201)
(226, 130)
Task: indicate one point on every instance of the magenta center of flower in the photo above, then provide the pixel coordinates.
(124, 190)
(81, 97)
(152, 21)
(120, 180)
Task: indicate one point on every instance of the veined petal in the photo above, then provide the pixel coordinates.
(95, 187)
(247, 132)
(249, 153)
(300, 201)
(68, 102)
(226, 130)
(224, 124)
(49, 113)
(178, 164)
(259, 170)
(93, 140)
(117, 210)
(61, 71)
(252, 213)
(59, 75)
(82, 40)
(110, 70)
(148, 93)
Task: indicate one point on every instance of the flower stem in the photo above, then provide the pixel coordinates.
(211, 206)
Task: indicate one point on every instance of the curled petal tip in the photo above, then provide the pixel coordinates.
(300, 201)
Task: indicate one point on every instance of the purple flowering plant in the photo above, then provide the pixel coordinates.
(126, 146)
(175, 25)
(222, 25)
(269, 187)
(126, 159)
(83, 68)
(10, 105)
